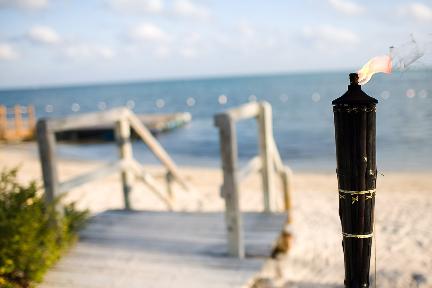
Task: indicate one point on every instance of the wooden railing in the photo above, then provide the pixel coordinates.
(17, 123)
(122, 121)
(267, 163)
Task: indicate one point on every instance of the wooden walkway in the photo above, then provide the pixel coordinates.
(164, 249)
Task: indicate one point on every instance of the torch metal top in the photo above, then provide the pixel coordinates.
(354, 78)
(355, 95)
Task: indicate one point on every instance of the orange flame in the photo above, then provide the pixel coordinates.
(375, 65)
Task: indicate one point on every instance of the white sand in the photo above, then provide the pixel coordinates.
(403, 217)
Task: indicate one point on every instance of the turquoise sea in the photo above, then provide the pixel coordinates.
(302, 114)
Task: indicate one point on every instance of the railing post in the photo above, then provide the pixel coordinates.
(229, 189)
(265, 138)
(46, 144)
(169, 181)
(287, 188)
(3, 121)
(31, 117)
(18, 121)
(122, 132)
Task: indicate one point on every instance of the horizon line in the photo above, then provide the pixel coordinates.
(179, 78)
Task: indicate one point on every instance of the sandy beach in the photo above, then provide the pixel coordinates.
(403, 216)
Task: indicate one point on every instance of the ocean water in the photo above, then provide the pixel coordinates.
(302, 115)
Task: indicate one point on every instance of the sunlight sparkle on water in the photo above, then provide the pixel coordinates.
(223, 99)
(283, 98)
(75, 107)
(160, 103)
(252, 98)
(102, 105)
(190, 101)
(49, 108)
(316, 97)
(130, 104)
(410, 93)
(385, 94)
(423, 93)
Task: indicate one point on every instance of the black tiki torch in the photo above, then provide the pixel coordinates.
(354, 120)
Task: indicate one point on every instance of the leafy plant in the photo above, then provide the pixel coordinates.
(33, 234)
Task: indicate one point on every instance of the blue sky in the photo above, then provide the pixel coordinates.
(54, 42)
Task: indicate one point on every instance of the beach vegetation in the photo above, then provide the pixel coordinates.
(33, 234)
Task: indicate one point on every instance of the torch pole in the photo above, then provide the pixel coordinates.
(355, 130)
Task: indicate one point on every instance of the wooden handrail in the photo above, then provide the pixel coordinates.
(101, 172)
(267, 163)
(123, 120)
(246, 111)
(140, 172)
(155, 147)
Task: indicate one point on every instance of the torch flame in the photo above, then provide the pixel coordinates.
(375, 65)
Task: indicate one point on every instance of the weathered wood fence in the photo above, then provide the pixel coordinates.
(268, 163)
(17, 123)
(122, 121)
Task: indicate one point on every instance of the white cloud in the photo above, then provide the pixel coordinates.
(187, 8)
(148, 32)
(162, 52)
(188, 52)
(82, 51)
(43, 34)
(246, 29)
(327, 35)
(418, 11)
(347, 7)
(24, 4)
(7, 52)
(137, 6)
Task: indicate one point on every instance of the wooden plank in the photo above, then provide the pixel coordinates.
(266, 152)
(230, 189)
(122, 132)
(249, 110)
(156, 148)
(164, 249)
(46, 146)
(91, 176)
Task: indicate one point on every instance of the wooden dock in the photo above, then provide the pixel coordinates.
(164, 249)
(156, 123)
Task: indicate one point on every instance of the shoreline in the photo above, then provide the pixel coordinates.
(299, 166)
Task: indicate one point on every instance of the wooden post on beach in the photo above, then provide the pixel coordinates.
(354, 120)
(122, 132)
(46, 144)
(286, 176)
(31, 121)
(230, 189)
(169, 178)
(265, 136)
(3, 122)
(18, 120)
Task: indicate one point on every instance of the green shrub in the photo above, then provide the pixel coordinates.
(33, 234)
